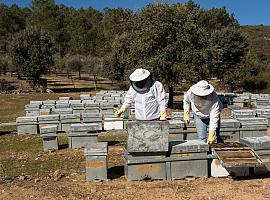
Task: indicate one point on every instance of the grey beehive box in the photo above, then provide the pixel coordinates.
(27, 125)
(96, 161)
(49, 136)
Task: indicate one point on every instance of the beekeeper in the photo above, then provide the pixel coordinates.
(147, 95)
(206, 105)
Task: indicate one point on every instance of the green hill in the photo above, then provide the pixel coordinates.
(259, 40)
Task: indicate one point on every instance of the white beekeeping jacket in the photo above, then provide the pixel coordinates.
(204, 110)
(147, 105)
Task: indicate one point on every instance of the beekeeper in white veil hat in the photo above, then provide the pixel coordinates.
(147, 95)
(206, 105)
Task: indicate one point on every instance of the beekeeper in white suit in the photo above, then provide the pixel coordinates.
(206, 105)
(147, 95)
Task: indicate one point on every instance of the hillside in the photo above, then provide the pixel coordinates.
(259, 39)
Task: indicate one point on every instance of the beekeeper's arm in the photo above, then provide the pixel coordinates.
(161, 98)
(213, 125)
(129, 100)
(186, 106)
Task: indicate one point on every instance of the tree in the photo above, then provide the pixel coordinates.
(166, 40)
(12, 20)
(75, 63)
(85, 32)
(32, 52)
(53, 19)
(229, 47)
(114, 24)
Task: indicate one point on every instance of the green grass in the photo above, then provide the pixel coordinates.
(119, 138)
(20, 143)
(23, 155)
(13, 105)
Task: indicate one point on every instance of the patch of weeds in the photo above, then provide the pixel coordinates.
(12, 167)
(119, 139)
(20, 143)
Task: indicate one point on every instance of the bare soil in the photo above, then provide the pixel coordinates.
(64, 184)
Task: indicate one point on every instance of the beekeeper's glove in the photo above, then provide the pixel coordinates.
(186, 117)
(211, 137)
(119, 112)
(163, 116)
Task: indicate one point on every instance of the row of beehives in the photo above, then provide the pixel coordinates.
(244, 99)
(68, 106)
(149, 153)
(103, 102)
(231, 129)
(32, 124)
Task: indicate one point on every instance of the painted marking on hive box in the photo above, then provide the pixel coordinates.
(148, 169)
(183, 154)
(95, 164)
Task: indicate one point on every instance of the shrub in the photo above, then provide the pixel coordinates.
(254, 84)
(5, 86)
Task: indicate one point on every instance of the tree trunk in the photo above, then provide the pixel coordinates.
(80, 74)
(95, 82)
(5, 48)
(171, 94)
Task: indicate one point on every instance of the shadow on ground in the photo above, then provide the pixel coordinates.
(5, 132)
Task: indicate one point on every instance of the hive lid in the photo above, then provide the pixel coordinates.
(69, 116)
(48, 129)
(91, 115)
(257, 143)
(54, 117)
(176, 123)
(84, 127)
(229, 123)
(96, 148)
(26, 119)
(188, 146)
(147, 136)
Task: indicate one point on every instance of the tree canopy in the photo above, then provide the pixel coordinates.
(179, 43)
(32, 52)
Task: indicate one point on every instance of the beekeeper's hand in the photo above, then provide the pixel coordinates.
(119, 112)
(163, 116)
(211, 137)
(186, 117)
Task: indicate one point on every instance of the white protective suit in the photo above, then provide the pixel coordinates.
(148, 105)
(208, 108)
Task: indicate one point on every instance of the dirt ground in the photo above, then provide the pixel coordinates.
(61, 184)
(65, 179)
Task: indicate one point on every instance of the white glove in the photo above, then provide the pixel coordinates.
(186, 117)
(119, 112)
